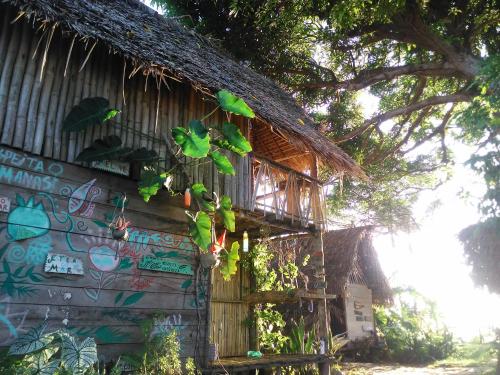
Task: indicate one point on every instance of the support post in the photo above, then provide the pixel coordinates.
(319, 261)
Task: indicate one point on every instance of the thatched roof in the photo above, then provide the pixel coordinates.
(351, 257)
(159, 44)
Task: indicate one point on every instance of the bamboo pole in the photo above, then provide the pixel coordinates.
(16, 84)
(7, 69)
(33, 105)
(5, 34)
(89, 92)
(143, 124)
(136, 121)
(43, 107)
(132, 86)
(76, 99)
(55, 97)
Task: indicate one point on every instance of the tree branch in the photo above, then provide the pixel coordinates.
(366, 78)
(434, 100)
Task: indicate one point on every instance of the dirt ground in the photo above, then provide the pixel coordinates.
(376, 369)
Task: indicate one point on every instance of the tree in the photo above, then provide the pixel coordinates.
(431, 69)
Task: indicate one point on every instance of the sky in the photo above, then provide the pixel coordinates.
(431, 259)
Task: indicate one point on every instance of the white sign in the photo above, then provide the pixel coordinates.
(60, 263)
(4, 204)
(118, 167)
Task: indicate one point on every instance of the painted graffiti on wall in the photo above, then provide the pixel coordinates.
(29, 219)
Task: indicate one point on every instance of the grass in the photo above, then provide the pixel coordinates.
(472, 354)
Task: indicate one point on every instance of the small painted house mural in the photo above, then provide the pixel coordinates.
(354, 274)
(83, 86)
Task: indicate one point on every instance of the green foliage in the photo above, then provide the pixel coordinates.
(229, 260)
(233, 104)
(224, 209)
(222, 163)
(162, 356)
(301, 342)
(234, 137)
(55, 352)
(107, 148)
(270, 328)
(481, 244)
(200, 227)
(89, 112)
(411, 330)
(194, 143)
(150, 183)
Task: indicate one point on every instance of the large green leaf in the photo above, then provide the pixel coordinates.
(231, 103)
(227, 214)
(40, 363)
(222, 163)
(200, 229)
(195, 142)
(143, 155)
(229, 260)
(233, 135)
(31, 341)
(224, 143)
(107, 148)
(133, 298)
(89, 112)
(150, 182)
(78, 357)
(198, 190)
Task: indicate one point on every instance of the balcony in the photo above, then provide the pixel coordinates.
(288, 196)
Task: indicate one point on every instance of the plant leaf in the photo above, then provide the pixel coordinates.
(186, 284)
(197, 190)
(195, 142)
(133, 298)
(31, 341)
(89, 112)
(231, 103)
(222, 163)
(118, 297)
(233, 135)
(78, 357)
(142, 155)
(227, 214)
(200, 229)
(150, 182)
(229, 261)
(107, 148)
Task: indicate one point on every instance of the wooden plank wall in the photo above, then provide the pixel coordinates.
(229, 314)
(113, 297)
(32, 109)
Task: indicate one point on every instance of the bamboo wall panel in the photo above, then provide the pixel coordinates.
(33, 105)
(61, 208)
(229, 314)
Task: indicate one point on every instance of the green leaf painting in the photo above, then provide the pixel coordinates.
(231, 103)
(78, 357)
(150, 182)
(107, 148)
(222, 163)
(195, 142)
(89, 112)
(133, 298)
(200, 229)
(227, 214)
(229, 260)
(31, 341)
(233, 135)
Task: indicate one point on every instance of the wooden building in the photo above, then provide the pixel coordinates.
(55, 210)
(354, 274)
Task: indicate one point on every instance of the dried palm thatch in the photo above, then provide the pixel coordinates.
(160, 46)
(351, 257)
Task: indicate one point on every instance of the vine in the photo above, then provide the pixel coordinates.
(198, 142)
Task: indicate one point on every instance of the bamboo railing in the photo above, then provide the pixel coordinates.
(287, 194)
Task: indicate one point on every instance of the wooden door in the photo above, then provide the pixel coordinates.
(229, 328)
